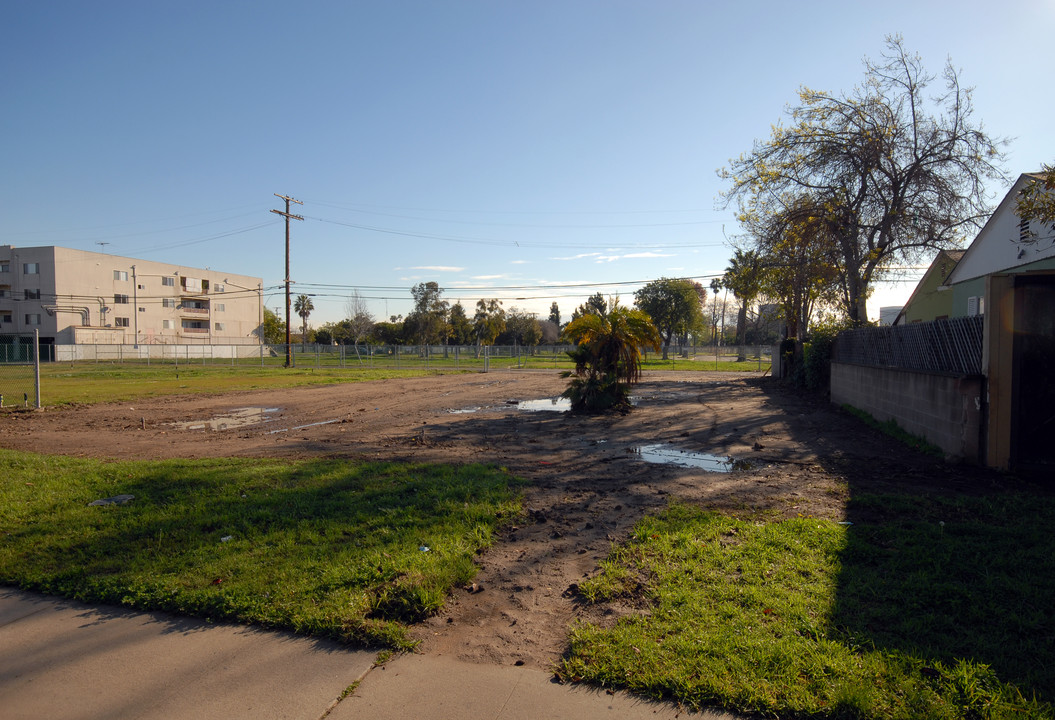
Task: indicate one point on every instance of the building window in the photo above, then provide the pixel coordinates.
(120, 322)
(5, 267)
(975, 305)
(142, 309)
(168, 302)
(5, 318)
(31, 268)
(218, 307)
(120, 299)
(32, 318)
(32, 294)
(168, 281)
(219, 326)
(218, 288)
(5, 291)
(166, 325)
(121, 275)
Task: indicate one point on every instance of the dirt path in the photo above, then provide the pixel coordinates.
(588, 484)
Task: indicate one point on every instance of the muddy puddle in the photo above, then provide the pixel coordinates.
(557, 404)
(667, 455)
(238, 418)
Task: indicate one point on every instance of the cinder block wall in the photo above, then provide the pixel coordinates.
(944, 409)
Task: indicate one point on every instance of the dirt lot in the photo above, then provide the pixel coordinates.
(588, 482)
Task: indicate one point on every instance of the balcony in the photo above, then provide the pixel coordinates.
(184, 310)
(199, 331)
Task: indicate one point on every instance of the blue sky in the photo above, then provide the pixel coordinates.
(531, 151)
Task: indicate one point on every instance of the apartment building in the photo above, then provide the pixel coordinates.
(80, 297)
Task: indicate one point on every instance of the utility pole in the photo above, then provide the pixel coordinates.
(288, 215)
(135, 308)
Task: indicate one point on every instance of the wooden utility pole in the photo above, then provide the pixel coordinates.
(288, 215)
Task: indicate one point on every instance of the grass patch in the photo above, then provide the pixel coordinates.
(65, 385)
(336, 549)
(898, 617)
(892, 429)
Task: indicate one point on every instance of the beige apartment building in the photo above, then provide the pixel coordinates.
(79, 297)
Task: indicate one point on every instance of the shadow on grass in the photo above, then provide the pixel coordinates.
(963, 583)
(336, 549)
(951, 567)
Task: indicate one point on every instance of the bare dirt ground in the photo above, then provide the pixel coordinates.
(587, 483)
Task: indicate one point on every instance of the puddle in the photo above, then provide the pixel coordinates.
(666, 455)
(557, 404)
(464, 411)
(242, 417)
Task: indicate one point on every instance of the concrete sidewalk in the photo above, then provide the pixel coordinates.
(63, 659)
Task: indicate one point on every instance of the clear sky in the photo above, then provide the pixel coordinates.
(531, 151)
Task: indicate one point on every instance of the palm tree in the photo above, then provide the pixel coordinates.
(743, 277)
(607, 357)
(303, 307)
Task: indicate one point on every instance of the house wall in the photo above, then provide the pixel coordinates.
(962, 291)
(88, 297)
(944, 409)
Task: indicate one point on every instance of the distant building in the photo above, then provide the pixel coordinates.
(887, 315)
(80, 297)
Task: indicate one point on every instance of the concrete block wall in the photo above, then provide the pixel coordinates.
(944, 409)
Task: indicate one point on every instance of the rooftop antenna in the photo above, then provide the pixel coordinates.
(102, 245)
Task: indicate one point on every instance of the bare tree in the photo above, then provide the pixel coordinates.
(895, 174)
(360, 321)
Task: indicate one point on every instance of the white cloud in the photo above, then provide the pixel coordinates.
(577, 257)
(489, 277)
(438, 268)
(519, 262)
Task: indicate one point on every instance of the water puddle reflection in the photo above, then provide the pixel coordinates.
(557, 404)
(239, 418)
(666, 455)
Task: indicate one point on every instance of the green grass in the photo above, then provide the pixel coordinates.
(327, 548)
(86, 383)
(92, 383)
(898, 616)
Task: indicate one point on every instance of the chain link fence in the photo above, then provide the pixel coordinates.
(945, 346)
(19, 371)
(427, 357)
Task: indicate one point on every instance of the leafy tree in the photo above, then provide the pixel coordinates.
(388, 333)
(427, 323)
(522, 328)
(273, 330)
(799, 262)
(607, 357)
(460, 328)
(1037, 200)
(897, 175)
(303, 307)
(594, 305)
(743, 278)
(674, 306)
(554, 314)
(488, 322)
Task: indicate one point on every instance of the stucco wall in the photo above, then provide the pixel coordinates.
(944, 409)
